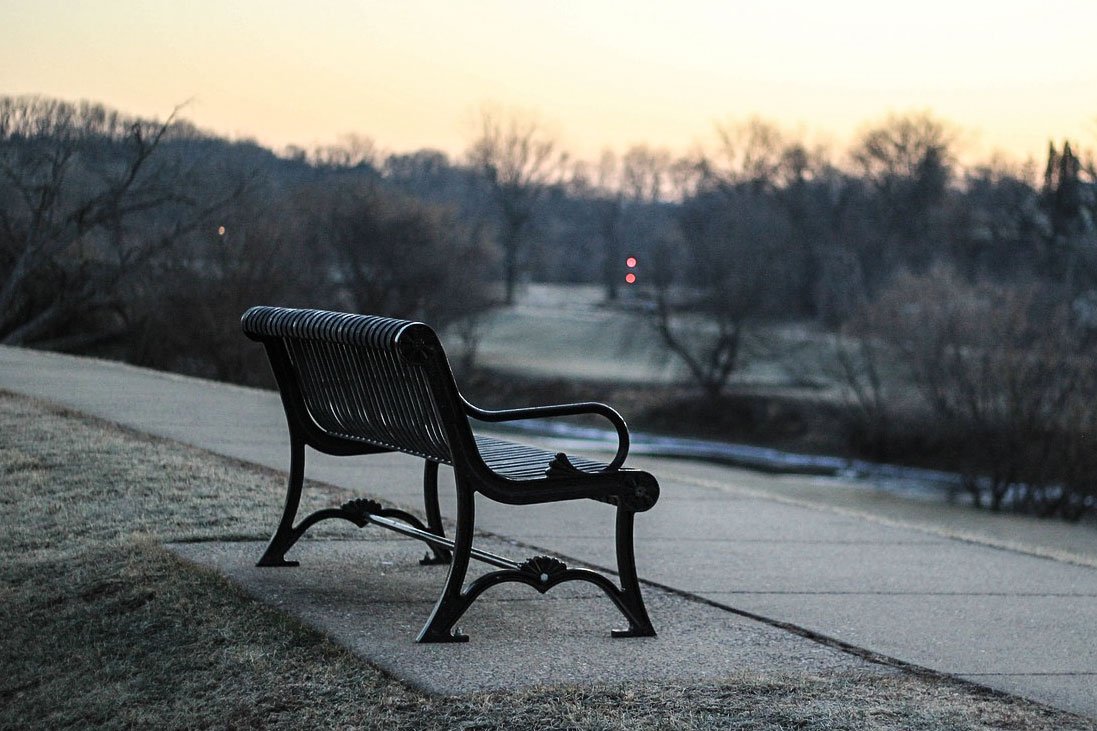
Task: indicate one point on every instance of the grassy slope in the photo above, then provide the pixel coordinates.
(105, 628)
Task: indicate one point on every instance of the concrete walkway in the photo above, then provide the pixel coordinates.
(1002, 601)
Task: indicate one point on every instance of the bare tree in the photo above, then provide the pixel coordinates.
(858, 370)
(749, 155)
(519, 160)
(997, 227)
(908, 162)
(350, 151)
(624, 190)
(724, 274)
(646, 174)
(86, 198)
(394, 255)
(188, 306)
(600, 187)
(716, 282)
(907, 151)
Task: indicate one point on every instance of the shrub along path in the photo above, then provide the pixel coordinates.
(1003, 618)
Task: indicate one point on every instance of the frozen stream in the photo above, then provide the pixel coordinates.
(912, 481)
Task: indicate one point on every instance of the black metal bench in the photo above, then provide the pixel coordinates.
(357, 384)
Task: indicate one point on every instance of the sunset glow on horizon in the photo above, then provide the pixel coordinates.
(412, 74)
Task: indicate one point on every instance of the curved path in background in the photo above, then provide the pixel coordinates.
(1006, 602)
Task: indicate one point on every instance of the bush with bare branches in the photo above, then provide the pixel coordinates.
(1007, 380)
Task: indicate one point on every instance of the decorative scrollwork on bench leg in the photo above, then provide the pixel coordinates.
(356, 511)
(542, 573)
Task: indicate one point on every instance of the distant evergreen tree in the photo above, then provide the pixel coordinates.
(1068, 203)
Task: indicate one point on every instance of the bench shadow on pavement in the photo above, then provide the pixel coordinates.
(371, 596)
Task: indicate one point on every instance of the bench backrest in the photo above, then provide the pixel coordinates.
(376, 380)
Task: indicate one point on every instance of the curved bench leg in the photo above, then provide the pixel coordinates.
(434, 515)
(631, 599)
(284, 537)
(453, 602)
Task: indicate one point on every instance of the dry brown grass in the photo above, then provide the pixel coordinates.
(105, 628)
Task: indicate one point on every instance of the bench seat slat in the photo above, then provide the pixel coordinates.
(523, 462)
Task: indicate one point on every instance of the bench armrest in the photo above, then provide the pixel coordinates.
(541, 412)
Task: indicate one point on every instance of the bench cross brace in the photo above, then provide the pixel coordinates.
(540, 572)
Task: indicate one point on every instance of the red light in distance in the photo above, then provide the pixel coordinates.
(630, 278)
(630, 262)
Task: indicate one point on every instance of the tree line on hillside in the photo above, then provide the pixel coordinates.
(145, 240)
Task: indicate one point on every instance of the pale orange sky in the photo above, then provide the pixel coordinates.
(412, 73)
